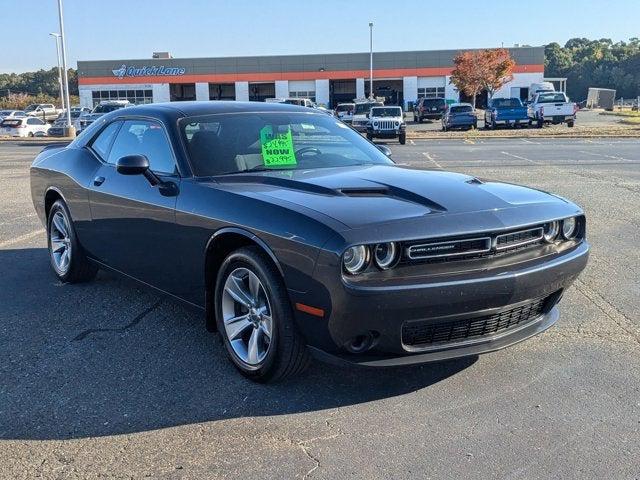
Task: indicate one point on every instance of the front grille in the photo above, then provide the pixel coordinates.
(386, 124)
(465, 248)
(423, 333)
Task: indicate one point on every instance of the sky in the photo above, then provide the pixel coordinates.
(128, 29)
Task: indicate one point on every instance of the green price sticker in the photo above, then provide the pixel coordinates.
(277, 149)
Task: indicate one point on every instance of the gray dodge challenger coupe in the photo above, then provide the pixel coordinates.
(296, 236)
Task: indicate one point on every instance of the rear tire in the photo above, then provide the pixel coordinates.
(283, 352)
(68, 260)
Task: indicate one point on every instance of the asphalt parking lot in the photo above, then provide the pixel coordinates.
(108, 379)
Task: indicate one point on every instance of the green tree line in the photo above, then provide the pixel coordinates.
(596, 63)
(42, 82)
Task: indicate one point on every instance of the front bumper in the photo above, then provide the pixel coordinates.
(384, 133)
(355, 310)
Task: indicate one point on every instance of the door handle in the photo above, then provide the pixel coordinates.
(98, 181)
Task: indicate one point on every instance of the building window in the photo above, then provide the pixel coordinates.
(136, 97)
(310, 94)
(222, 91)
(181, 92)
(431, 92)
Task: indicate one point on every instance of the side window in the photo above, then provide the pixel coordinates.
(144, 137)
(35, 121)
(103, 141)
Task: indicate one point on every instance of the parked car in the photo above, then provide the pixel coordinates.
(24, 127)
(344, 111)
(58, 128)
(11, 113)
(505, 111)
(460, 116)
(429, 108)
(45, 111)
(295, 235)
(551, 107)
(302, 102)
(360, 117)
(103, 107)
(386, 122)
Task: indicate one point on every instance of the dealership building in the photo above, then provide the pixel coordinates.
(400, 77)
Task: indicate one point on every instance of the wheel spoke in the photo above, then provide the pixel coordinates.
(236, 289)
(252, 350)
(236, 328)
(64, 258)
(59, 223)
(254, 285)
(266, 326)
(57, 246)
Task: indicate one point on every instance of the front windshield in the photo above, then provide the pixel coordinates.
(385, 112)
(30, 108)
(362, 108)
(236, 143)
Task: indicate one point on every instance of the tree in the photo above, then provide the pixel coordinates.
(466, 74)
(497, 69)
(482, 70)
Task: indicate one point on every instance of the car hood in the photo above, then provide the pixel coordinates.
(369, 195)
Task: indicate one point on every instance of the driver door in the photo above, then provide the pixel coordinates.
(133, 222)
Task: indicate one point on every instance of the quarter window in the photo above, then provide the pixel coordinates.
(143, 137)
(103, 141)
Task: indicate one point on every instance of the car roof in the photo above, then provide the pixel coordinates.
(212, 107)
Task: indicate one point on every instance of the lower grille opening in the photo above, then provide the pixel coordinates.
(428, 334)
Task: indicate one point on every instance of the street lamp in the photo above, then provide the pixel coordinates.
(68, 126)
(371, 60)
(57, 37)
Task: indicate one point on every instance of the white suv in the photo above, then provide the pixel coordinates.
(386, 122)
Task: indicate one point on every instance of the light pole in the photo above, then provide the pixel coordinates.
(68, 126)
(57, 37)
(371, 60)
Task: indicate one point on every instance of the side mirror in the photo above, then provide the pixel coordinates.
(384, 149)
(132, 165)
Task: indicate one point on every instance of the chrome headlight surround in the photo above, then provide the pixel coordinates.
(551, 230)
(355, 259)
(385, 255)
(569, 228)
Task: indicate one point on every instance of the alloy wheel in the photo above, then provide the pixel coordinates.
(60, 242)
(247, 316)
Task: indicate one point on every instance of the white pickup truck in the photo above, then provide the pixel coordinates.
(551, 107)
(43, 111)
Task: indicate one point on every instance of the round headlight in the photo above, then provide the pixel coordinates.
(551, 231)
(355, 259)
(569, 228)
(397, 124)
(375, 124)
(385, 255)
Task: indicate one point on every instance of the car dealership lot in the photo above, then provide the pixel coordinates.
(110, 379)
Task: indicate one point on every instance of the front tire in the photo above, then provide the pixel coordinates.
(255, 318)
(402, 138)
(67, 257)
(369, 137)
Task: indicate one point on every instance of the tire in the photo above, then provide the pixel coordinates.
(444, 128)
(30, 134)
(539, 123)
(419, 119)
(402, 138)
(284, 351)
(369, 137)
(75, 267)
(571, 124)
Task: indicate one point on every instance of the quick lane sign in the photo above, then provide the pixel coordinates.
(145, 71)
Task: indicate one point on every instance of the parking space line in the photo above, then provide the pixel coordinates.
(470, 142)
(411, 142)
(521, 158)
(613, 157)
(431, 159)
(21, 238)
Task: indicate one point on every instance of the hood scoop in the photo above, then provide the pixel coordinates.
(365, 192)
(392, 192)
